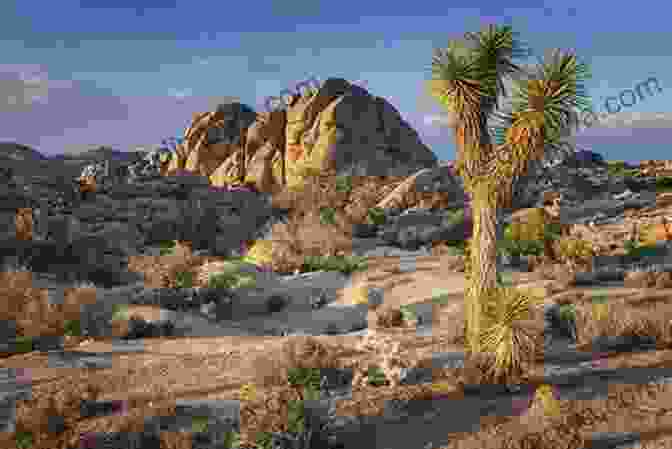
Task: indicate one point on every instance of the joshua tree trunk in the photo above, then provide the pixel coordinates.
(484, 261)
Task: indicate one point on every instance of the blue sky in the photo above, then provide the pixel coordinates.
(76, 74)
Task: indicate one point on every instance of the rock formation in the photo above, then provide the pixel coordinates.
(341, 127)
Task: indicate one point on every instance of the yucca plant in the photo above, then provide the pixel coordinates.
(467, 79)
(504, 338)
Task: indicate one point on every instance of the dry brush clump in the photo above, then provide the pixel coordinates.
(52, 414)
(265, 405)
(164, 271)
(31, 309)
(297, 352)
(574, 423)
(623, 317)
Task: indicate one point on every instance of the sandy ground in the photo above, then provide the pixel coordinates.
(217, 367)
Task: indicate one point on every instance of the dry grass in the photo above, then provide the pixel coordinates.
(305, 236)
(306, 233)
(578, 420)
(161, 271)
(299, 352)
(31, 310)
(62, 399)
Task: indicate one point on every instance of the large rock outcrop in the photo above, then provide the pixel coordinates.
(340, 127)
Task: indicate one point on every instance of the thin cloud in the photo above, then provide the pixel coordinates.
(33, 105)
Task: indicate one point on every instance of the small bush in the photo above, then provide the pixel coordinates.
(574, 251)
(344, 264)
(344, 184)
(456, 216)
(522, 247)
(377, 216)
(72, 328)
(221, 280)
(184, 279)
(532, 227)
(167, 244)
(24, 440)
(620, 168)
(376, 377)
(119, 312)
(199, 424)
(664, 183)
(304, 377)
(567, 312)
(328, 216)
(630, 246)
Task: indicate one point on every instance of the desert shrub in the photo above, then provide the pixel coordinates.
(344, 264)
(221, 280)
(297, 356)
(33, 313)
(376, 376)
(184, 279)
(302, 237)
(168, 244)
(376, 216)
(344, 184)
(574, 251)
(230, 280)
(531, 238)
(166, 247)
(24, 439)
(620, 168)
(328, 216)
(72, 328)
(664, 183)
(304, 377)
(456, 216)
(521, 247)
(630, 246)
(533, 228)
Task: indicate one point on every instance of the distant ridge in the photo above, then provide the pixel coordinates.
(99, 154)
(18, 152)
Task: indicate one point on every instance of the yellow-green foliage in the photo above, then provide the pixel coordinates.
(574, 250)
(231, 280)
(260, 253)
(530, 227)
(511, 344)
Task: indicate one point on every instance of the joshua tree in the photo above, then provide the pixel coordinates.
(467, 79)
